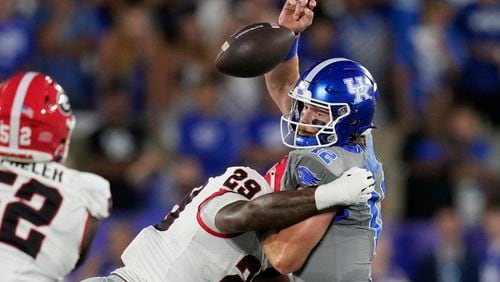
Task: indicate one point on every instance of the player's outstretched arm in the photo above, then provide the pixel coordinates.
(296, 15)
(280, 81)
(282, 209)
(270, 211)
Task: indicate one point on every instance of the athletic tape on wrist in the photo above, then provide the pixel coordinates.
(321, 198)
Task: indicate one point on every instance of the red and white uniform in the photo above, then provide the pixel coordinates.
(187, 246)
(44, 210)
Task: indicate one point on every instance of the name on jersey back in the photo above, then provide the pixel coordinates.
(43, 169)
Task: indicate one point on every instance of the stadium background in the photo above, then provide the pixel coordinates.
(155, 118)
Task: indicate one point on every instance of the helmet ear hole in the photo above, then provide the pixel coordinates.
(354, 122)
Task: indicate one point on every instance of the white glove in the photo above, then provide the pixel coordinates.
(353, 186)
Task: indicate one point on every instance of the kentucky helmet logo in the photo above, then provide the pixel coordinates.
(359, 87)
(307, 177)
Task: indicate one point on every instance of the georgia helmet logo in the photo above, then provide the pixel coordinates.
(63, 103)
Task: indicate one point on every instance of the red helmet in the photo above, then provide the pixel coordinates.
(35, 119)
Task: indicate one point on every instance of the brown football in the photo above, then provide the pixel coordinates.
(254, 50)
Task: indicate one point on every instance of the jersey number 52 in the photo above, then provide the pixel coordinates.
(17, 210)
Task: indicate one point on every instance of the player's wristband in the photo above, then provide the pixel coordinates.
(293, 50)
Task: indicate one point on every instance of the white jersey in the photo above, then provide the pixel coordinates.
(44, 210)
(187, 246)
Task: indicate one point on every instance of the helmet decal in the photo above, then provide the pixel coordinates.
(63, 103)
(302, 91)
(27, 110)
(358, 86)
(46, 136)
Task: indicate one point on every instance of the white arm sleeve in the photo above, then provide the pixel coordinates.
(96, 194)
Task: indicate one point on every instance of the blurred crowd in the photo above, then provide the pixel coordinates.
(155, 118)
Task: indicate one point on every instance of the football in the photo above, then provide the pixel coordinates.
(254, 50)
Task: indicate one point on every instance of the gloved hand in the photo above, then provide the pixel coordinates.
(353, 186)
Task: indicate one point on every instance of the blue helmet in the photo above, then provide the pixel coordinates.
(343, 88)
